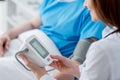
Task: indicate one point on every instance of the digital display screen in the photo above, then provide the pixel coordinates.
(39, 48)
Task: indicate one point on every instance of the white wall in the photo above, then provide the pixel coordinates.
(2, 17)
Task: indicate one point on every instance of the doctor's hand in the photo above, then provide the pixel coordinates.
(38, 71)
(65, 65)
(4, 43)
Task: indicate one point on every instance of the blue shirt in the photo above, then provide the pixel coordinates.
(66, 23)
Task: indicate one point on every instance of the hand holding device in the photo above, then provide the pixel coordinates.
(38, 47)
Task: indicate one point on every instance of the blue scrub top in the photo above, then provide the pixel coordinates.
(67, 22)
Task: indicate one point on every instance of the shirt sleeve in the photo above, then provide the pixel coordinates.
(90, 28)
(96, 66)
(47, 77)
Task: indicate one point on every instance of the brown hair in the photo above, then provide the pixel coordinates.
(108, 11)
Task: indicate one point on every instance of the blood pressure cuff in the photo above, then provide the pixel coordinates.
(81, 49)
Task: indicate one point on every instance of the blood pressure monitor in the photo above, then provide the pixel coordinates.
(38, 47)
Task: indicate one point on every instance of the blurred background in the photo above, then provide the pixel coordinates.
(16, 12)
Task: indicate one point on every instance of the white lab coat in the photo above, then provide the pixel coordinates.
(102, 60)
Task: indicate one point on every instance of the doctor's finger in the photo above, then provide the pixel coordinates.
(1, 49)
(24, 58)
(7, 44)
(31, 65)
(61, 58)
(54, 64)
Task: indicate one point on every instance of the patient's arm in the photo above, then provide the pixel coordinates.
(13, 33)
(31, 24)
